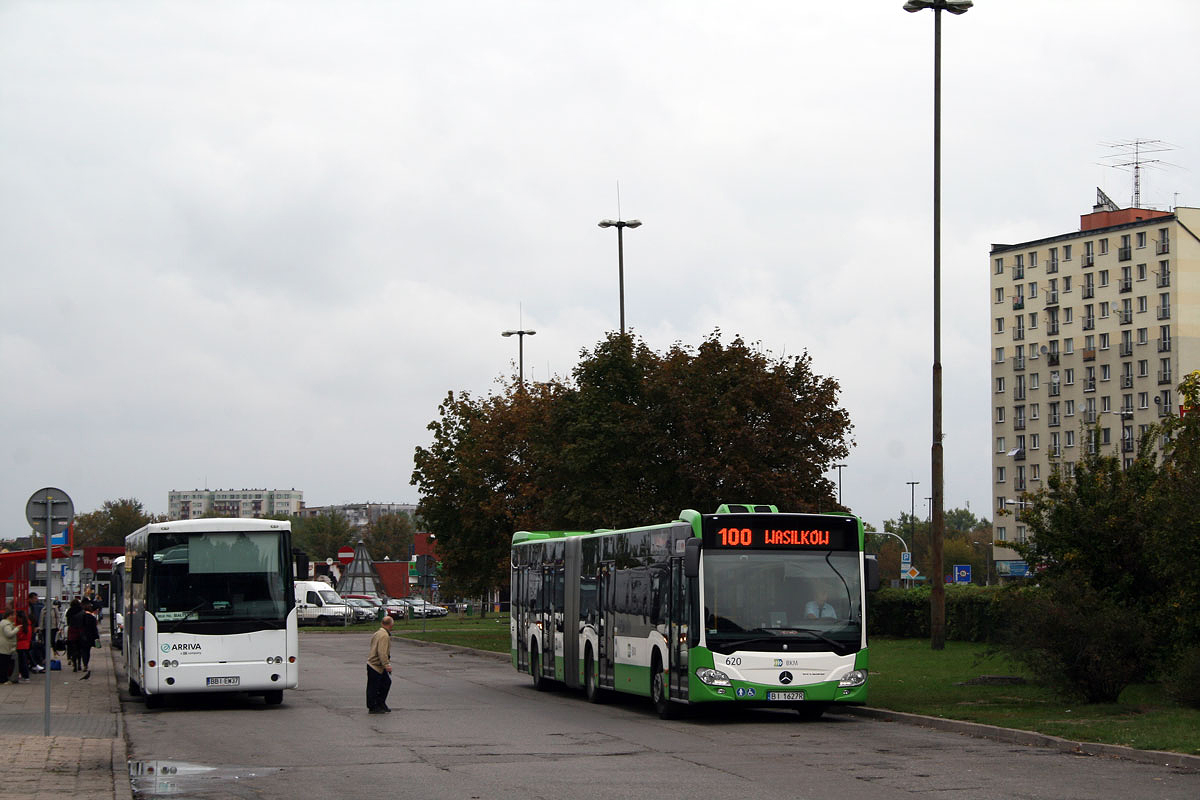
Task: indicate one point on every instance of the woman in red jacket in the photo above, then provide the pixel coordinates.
(24, 637)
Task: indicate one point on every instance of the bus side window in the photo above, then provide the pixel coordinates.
(138, 573)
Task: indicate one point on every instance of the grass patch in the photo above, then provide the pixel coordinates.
(906, 675)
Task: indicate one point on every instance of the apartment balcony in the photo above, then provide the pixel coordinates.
(1124, 253)
(1018, 273)
(1164, 345)
(1162, 280)
(1089, 385)
(1088, 261)
(1019, 455)
(1018, 303)
(1162, 247)
(1164, 377)
(1127, 445)
(1125, 317)
(1126, 349)
(1089, 355)
(1164, 312)
(1089, 323)
(1019, 484)
(1052, 265)
(1019, 424)
(1125, 285)
(1054, 421)
(1056, 451)
(1051, 299)
(1053, 358)
(1019, 393)
(1018, 362)
(1089, 291)
(1055, 389)
(1018, 334)
(1052, 329)
(1126, 381)
(1163, 410)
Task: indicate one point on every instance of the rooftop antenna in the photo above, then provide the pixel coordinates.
(1130, 156)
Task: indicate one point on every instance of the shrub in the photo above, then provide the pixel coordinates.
(1183, 682)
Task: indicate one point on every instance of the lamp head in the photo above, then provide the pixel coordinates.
(633, 223)
(607, 223)
(953, 6)
(508, 333)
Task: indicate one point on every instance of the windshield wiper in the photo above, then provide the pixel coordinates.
(187, 614)
(815, 634)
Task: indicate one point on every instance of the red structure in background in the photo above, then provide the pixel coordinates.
(425, 544)
(394, 577)
(15, 572)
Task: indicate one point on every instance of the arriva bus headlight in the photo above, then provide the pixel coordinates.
(713, 677)
(855, 678)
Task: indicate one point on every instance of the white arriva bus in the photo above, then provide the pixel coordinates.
(209, 607)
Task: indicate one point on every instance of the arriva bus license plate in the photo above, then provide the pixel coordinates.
(785, 695)
(230, 681)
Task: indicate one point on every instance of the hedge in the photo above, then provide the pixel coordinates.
(973, 613)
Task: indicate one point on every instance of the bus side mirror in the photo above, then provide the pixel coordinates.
(138, 573)
(872, 565)
(691, 558)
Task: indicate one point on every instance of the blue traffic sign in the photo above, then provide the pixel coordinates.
(962, 573)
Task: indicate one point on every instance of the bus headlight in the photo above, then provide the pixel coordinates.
(854, 678)
(713, 677)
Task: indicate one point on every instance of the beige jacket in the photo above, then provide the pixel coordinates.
(379, 658)
(8, 637)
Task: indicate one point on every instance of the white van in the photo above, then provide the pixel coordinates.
(318, 604)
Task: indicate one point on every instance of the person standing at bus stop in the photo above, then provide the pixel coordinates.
(379, 668)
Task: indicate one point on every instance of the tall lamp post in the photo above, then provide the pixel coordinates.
(521, 334)
(839, 468)
(937, 599)
(621, 225)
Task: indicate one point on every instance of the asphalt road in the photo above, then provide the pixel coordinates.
(467, 726)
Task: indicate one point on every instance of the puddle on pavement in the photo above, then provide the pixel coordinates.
(180, 779)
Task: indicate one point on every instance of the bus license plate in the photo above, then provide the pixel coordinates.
(785, 695)
(232, 681)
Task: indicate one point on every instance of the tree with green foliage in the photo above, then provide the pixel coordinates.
(323, 535)
(390, 536)
(635, 437)
(112, 522)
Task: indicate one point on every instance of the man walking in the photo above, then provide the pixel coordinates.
(379, 668)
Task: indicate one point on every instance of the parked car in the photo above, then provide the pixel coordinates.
(317, 603)
(420, 608)
(364, 610)
(393, 608)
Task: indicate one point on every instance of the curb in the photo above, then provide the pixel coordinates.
(979, 730)
(122, 788)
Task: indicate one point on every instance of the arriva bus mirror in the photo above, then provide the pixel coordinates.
(138, 573)
(872, 565)
(691, 558)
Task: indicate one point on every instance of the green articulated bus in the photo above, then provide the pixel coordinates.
(746, 606)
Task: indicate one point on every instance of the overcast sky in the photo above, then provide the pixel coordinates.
(254, 244)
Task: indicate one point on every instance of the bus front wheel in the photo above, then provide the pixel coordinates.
(535, 668)
(658, 690)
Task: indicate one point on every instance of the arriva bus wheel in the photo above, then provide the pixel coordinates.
(154, 701)
(134, 689)
(658, 690)
(591, 684)
(535, 668)
(273, 697)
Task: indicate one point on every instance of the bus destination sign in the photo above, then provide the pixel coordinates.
(780, 532)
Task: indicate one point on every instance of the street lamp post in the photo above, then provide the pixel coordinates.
(937, 600)
(521, 334)
(621, 225)
(987, 561)
(839, 468)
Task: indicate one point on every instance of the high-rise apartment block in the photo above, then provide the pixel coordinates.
(1091, 332)
(234, 503)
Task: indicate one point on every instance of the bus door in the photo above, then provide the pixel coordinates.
(677, 636)
(545, 616)
(604, 630)
(521, 611)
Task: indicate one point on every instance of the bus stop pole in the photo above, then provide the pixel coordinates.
(46, 606)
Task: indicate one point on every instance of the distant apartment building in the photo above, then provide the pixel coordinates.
(360, 515)
(1091, 332)
(234, 503)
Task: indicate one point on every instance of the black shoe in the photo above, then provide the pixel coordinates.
(376, 711)
(387, 710)
(86, 675)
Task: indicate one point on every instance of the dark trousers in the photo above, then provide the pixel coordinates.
(378, 686)
(6, 665)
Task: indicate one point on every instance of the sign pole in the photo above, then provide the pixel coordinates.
(46, 607)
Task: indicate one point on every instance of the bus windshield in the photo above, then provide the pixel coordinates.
(217, 576)
(782, 600)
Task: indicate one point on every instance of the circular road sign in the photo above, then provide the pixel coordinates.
(346, 554)
(59, 505)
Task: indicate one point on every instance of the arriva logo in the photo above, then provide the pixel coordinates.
(166, 648)
(185, 647)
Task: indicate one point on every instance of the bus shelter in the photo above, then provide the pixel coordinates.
(16, 569)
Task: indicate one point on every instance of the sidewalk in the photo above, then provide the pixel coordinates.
(84, 756)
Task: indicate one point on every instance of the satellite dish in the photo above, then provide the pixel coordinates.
(1054, 378)
(1045, 349)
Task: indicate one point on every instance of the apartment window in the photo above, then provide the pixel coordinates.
(1032, 260)
(1035, 441)
(999, 413)
(999, 294)
(1000, 448)
(1033, 320)
(1001, 473)
(1104, 246)
(999, 324)
(1032, 290)
(1069, 376)
(999, 355)
(1104, 310)
(1035, 409)
(1069, 408)
(1106, 404)
(999, 266)
(1143, 367)
(1104, 277)
(1143, 399)
(999, 385)
(1069, 438)
(1052, 260)
(1068, 345)
(1104, 341)
(1142, 304)
(1066, 283)
(1141, 239)
(1068, 314)
(1141, 272)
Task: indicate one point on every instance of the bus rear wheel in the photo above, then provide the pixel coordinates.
(154, 701)
(273, 697)
(591, 684)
